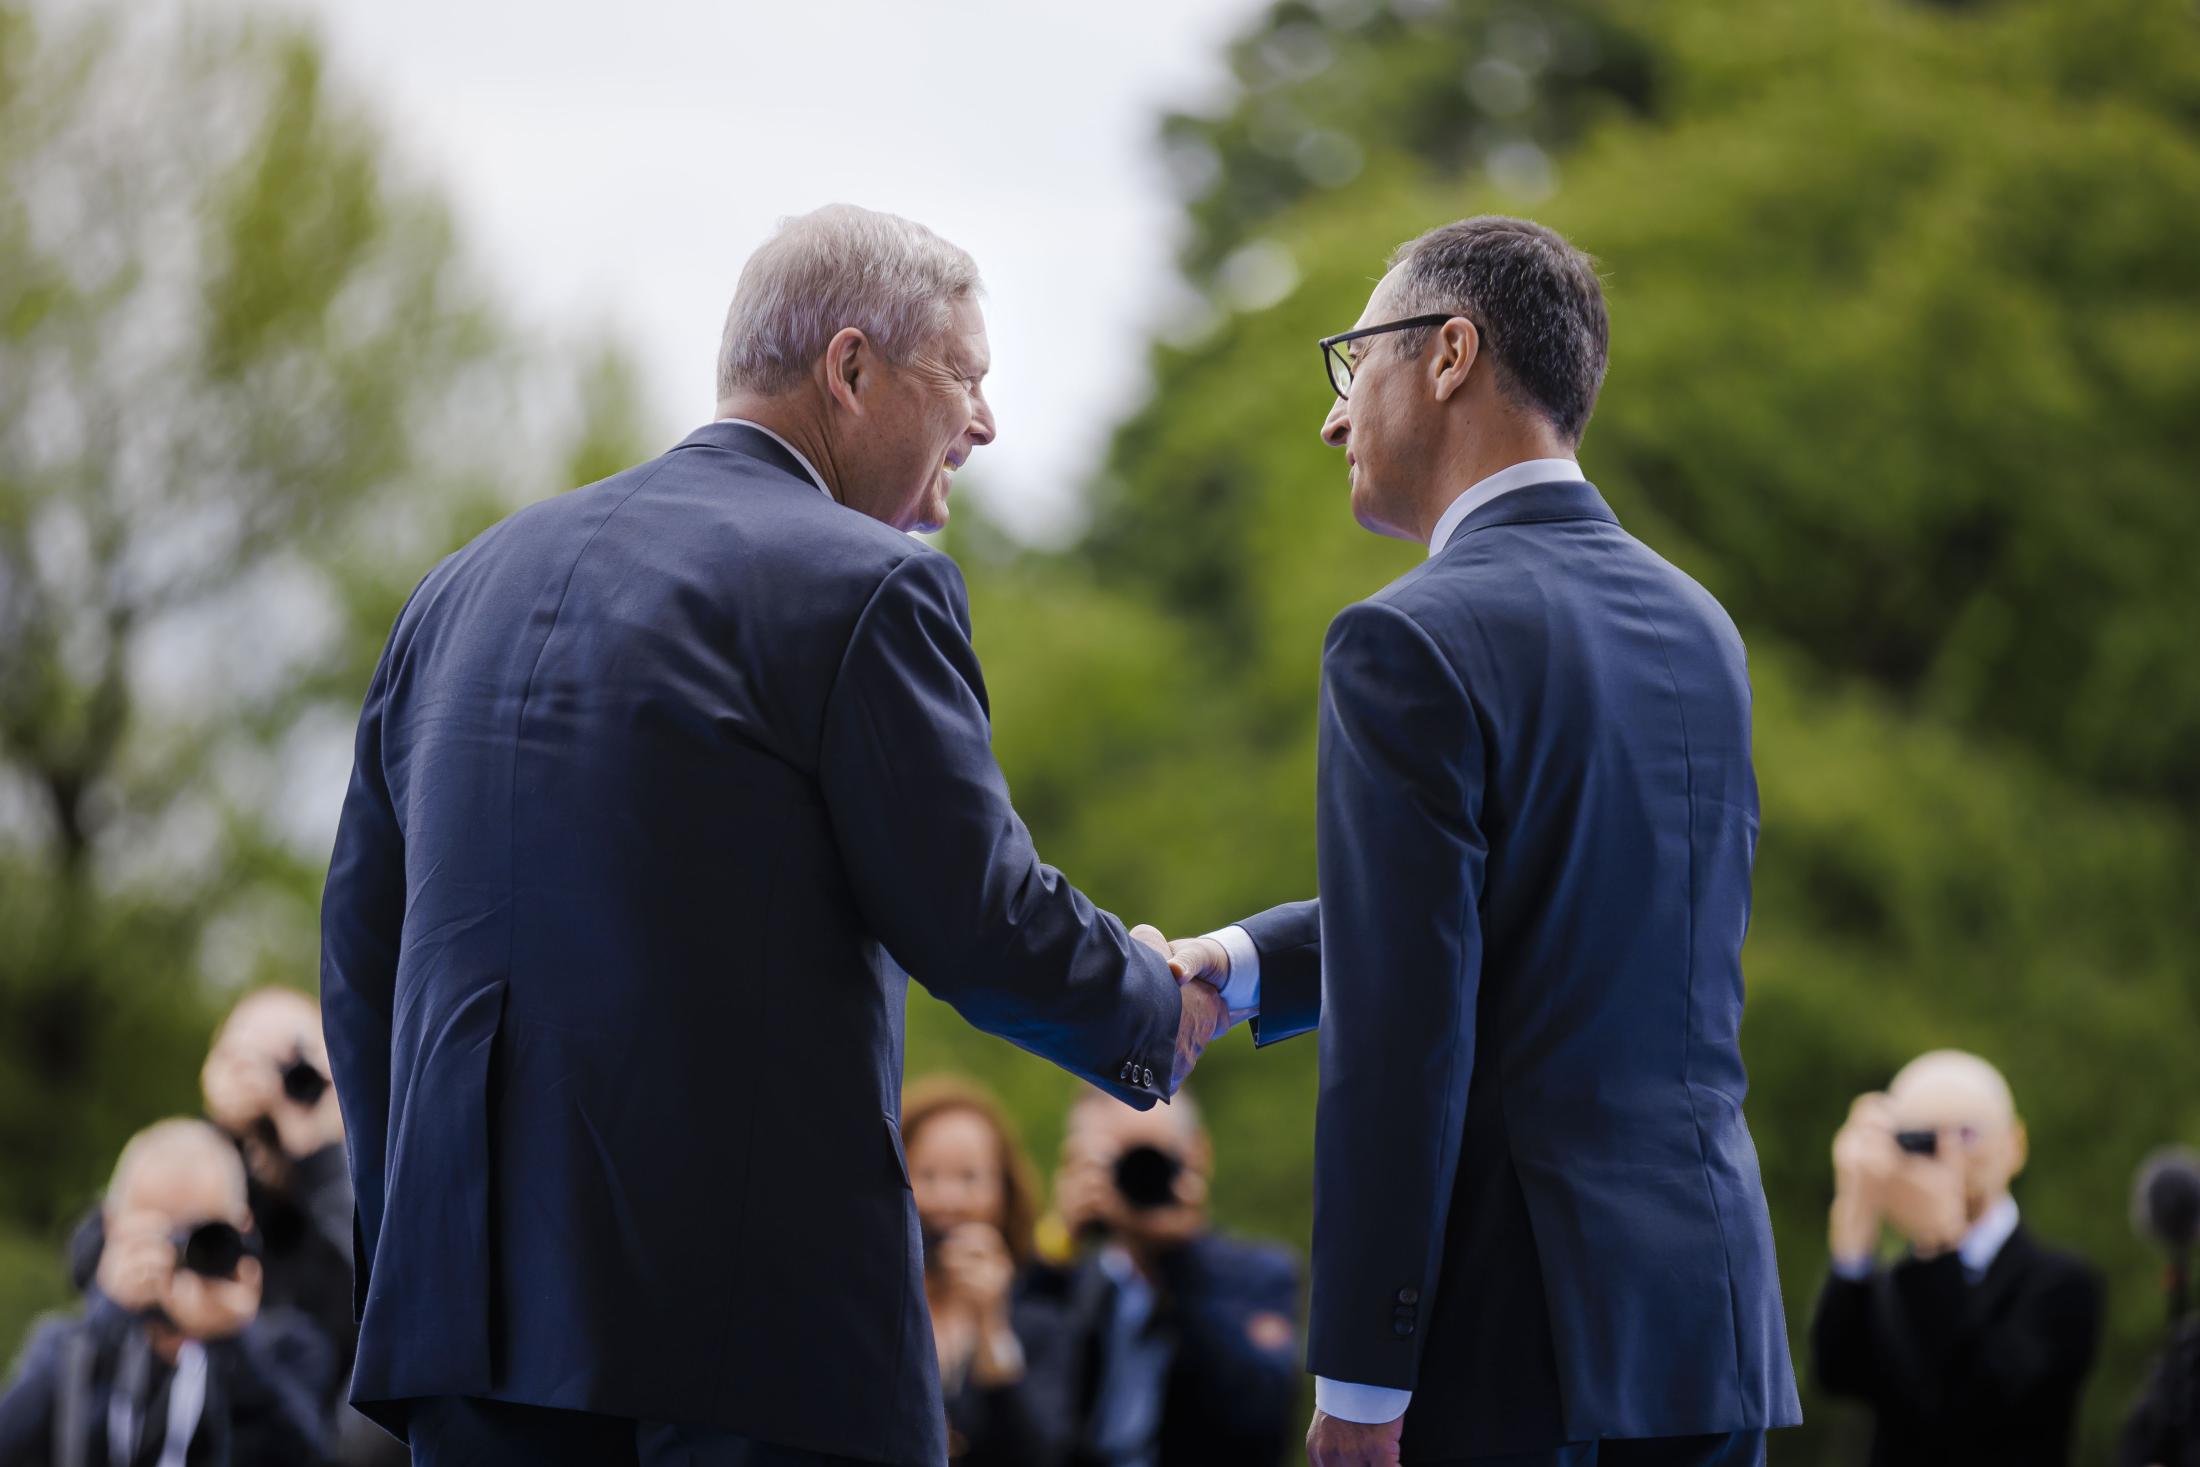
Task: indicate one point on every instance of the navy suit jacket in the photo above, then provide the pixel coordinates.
(1536, 1203)
(662, 787)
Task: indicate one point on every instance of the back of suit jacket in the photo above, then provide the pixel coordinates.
(1537, 1203)
(661, 785)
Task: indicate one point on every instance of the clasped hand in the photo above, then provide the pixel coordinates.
(1200, 967)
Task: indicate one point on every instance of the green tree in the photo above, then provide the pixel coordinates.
(248, 391)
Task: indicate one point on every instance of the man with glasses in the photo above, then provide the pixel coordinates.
(1975, 1345)
(1539, 1231)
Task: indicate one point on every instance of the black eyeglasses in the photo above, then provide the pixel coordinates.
(1339, 363)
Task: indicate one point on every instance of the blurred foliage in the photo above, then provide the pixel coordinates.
(248, 392)
(1906, 338)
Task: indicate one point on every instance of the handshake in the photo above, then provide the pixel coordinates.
(1201, 967)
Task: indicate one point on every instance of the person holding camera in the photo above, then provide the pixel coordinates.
(1975, 1345)
(1189, 1340)
(266, 1083)
(171, 1363)
(999, 1350)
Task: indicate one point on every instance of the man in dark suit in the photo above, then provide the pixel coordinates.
(1975, 1346)
(663, 786)
(1184, 1340)
(1539, 1230)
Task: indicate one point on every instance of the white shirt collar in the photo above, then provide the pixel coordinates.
(1504, 481)
(1983, 1244)
(807, 467)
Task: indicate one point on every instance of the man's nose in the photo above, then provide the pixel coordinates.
(982, 429)
(1337, 427)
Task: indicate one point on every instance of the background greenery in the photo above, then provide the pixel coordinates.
(1906, 348)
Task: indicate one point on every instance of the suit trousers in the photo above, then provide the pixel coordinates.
(466, 1431)
(1735, 1449)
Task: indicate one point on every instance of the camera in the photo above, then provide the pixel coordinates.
(1146, 1176)
(213, 1249)
(1918, 1143)
(303, 1081)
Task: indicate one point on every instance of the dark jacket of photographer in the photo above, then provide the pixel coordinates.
(1227, 1312)
(1961, 1370)
(262, 1404)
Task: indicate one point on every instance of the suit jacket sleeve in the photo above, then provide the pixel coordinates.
(944, 872)
(362, 919)
(1402, 860)
(1289, 941)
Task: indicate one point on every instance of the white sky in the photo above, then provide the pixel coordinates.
(613, 165)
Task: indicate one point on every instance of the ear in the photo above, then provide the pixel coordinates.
(1458, 343)
(2020, 1148)
(847, 364)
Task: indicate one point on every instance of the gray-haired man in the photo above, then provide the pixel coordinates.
(661, 785)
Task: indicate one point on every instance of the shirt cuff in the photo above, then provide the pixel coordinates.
(1241, 991)
(1366, 1404)
(1855, 1270)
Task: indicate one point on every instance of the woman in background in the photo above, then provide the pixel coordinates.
(1000, 1352)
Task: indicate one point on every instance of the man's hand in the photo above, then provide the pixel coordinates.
(1925, 1204)
(1865, 1159)
(213, 1309)
(1199, 957)
(1334, 1443)
(135, 1262)
(1204, 1016)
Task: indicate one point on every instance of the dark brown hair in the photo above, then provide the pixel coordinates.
(1535, 299)
(927, 1099)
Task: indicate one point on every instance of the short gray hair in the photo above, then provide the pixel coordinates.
(839, 266)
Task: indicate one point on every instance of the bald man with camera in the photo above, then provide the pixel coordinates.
(1974, 1344)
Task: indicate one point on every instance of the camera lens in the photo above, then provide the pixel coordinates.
(213, 1250)
(1146, 1176)
(303, 1082)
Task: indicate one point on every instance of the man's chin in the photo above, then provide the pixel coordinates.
(932, 514)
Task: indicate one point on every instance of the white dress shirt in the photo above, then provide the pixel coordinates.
(807, 467)
(1978, 1250)
(1241, 992)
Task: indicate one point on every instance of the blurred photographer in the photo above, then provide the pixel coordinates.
(266, 1083)
(171, 1363)
(998, 1352)
(1973, 1346)
(1190, 1344)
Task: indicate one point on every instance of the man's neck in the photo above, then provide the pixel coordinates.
(794, 420)
(1468, 464)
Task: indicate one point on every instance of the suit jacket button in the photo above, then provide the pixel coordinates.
(1124, 1073)
(1149, 1077)
(1409, 1296)
(1404, 1327)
